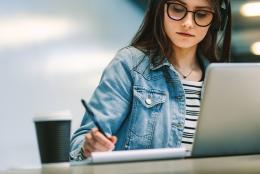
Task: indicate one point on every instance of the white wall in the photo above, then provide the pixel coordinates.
(52, 53)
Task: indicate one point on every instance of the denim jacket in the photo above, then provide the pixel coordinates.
(142, 104)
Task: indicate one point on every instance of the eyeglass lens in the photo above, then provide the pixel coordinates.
(201, 17)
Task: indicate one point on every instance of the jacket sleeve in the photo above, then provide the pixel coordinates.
(110, 102)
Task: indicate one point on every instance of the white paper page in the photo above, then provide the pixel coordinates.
(138, 155)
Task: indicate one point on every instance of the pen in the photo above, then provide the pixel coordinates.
(93, 118)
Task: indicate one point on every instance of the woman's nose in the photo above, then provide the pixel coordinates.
(188, 21)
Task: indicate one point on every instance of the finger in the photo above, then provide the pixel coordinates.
(86, 152)
(94, 144)
(98, 146)
(94, 129)
(99, 137)
(113, 139)
(89, 147)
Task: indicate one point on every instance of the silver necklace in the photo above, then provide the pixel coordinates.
(183, 75)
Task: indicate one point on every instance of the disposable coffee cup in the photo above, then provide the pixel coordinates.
(53, 136)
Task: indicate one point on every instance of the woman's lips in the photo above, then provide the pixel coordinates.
(185, 34)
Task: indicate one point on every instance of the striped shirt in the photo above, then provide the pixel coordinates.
(193, 95)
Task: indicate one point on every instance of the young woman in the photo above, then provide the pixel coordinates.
(149, 95)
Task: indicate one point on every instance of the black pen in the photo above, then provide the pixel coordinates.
(93, 118)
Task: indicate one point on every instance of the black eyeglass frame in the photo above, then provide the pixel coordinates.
(187, 11)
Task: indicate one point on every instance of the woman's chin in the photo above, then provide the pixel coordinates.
(186, 45)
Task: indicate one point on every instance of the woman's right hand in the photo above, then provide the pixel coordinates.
(95, 141)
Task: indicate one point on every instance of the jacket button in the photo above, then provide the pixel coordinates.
(148, 101)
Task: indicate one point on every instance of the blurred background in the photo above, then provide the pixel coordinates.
(52, 54)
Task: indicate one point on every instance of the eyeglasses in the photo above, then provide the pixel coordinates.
(177, 12)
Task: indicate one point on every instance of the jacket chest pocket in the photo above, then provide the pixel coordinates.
(147, 104)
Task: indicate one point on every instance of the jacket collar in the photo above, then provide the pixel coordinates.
(204, 61)
(164, 63)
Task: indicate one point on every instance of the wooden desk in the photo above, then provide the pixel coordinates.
(223, 165)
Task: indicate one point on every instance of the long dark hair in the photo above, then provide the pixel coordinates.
(151, 37)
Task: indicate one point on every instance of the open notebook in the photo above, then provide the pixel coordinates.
(135, 155)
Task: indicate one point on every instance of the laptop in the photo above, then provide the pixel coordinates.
(229, 121)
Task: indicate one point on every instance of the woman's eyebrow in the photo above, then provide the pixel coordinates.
(203, 7)
(197, 7)
(180, 1)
